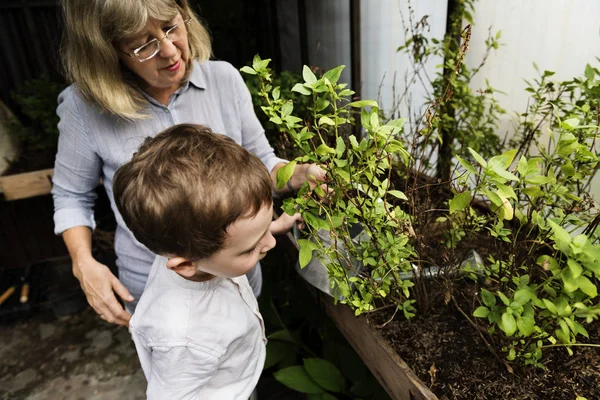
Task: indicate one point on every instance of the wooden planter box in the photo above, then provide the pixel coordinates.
(27, 227)
(394, 375)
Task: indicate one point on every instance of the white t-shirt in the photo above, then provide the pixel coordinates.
(198, 340)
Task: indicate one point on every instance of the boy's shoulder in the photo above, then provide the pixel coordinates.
(213, 313)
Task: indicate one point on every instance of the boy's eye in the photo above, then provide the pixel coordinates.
(252, 250)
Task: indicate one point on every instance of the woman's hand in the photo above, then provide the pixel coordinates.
(100, 286)
(311, 173)
(97, 282)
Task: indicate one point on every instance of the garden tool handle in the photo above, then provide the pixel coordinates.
(24, 293)
(7, 294)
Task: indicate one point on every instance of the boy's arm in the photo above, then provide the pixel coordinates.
(284, 223)
(180, 372)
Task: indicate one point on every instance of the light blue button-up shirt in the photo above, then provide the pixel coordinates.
(93, 144)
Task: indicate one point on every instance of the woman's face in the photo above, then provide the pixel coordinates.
(163, 72)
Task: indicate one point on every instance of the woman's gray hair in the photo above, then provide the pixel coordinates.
(90, 57)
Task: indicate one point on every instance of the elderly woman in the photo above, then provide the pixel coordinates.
(137, 67)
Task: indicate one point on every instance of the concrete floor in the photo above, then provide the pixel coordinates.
(75, 357)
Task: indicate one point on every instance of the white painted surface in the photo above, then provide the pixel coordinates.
(382, 32)
(558, 35)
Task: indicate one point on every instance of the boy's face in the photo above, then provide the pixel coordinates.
(247, 242)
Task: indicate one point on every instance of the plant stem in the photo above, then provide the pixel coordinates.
(489, 347)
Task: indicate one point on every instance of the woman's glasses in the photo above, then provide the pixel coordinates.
(150, 49)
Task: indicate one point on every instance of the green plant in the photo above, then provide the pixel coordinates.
(284, 80)
(38, 128)
(359, 171)
(456, 116)
(540, 282)
(543, 280)
(305, 351)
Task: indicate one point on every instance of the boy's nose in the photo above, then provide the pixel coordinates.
(269, 242)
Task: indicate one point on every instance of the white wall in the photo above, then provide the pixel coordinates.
(558, 35)
(382, 32)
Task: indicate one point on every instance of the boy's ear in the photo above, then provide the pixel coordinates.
(182, 266)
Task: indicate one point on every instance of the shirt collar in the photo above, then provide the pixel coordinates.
(197, 77)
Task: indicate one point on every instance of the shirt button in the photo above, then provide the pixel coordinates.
(167, 111)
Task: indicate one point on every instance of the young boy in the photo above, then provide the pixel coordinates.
(204, 204)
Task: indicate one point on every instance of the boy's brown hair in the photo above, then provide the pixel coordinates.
(183, 188)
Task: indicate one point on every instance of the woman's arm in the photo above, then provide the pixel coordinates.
(76, 175)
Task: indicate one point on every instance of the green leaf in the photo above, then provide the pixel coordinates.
(570, 123)
(324, 149)
(508, 324)
(586, 286)
(561, 236)
(488, 298)
(477, 157)
(297, 379)
(575, 268)
(460, 201)
(550, 306)
(340, 147)
(589, 72)
(481, 312)
(503, 298)
(343, 174)
(325, 374)
(363, 103)
(533, 191)
(315, 222)
(306, 251)
(333, 75)
(300, 88)
(467, 165)
(326, 121)
(308, 75)
(285, 173)
(287, 108)
(526, 325)
(522, 296)
(503, 174)
(398, 194)
(321, 104)
(248, 70)
(276, 93)
(276, 351)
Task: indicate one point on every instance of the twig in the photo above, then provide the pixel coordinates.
(489, 347)
(389, 320)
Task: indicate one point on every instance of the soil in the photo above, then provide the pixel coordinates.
(449, 356)
(446, 352)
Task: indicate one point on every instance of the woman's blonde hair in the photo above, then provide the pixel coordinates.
(91, 59)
